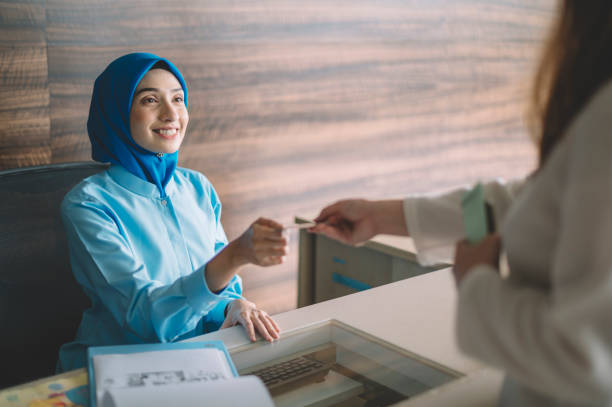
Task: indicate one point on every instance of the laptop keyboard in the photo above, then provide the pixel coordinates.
(289, 371)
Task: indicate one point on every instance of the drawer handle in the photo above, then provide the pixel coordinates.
(338, 260)
(349, 282)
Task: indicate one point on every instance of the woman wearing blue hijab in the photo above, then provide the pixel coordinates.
(145, 238)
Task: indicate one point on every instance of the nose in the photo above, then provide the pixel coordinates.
(168, 112)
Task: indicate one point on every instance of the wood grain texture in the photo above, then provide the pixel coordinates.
(24, 91)
(296, 104)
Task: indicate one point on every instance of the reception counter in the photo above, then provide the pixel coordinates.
(404, 327)
(416, 315)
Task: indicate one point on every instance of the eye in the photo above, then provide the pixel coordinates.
(178, 99)
(148, 100)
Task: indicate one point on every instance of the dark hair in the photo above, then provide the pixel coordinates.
(576, 62)
(161, 65)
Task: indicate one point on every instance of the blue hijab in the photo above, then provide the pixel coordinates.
(109, 120)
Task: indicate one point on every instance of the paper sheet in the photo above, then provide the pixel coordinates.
(242, 391)
(159, 369)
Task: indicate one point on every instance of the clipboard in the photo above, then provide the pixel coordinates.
(149, 347)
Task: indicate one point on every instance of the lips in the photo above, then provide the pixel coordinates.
(167, 133)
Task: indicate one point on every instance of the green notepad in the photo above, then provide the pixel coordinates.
(475, 214)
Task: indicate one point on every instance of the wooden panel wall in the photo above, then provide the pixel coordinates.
(24, 88)
(293, 104)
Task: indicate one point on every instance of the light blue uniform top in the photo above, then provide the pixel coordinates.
(141, 258)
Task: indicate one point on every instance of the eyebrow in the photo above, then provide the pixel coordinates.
(155, 90)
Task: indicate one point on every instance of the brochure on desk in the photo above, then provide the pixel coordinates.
(186, 374)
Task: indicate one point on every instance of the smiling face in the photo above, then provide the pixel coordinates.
(159, 117)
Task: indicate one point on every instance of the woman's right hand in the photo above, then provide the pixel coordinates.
(354, 221)
(263, 243)
(350, 221)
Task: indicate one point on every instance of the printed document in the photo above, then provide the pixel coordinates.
(186, 377)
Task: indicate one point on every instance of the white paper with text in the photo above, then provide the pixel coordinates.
(164, 370)
(241, 391)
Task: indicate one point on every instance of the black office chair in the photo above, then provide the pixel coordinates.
(40, 302)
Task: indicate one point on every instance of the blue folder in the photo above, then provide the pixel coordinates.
(149, 347)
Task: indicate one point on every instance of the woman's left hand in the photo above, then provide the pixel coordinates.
(247, 314)
(469, 255)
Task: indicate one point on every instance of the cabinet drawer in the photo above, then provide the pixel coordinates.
(342, 269)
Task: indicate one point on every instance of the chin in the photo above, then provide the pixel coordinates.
(166, 149)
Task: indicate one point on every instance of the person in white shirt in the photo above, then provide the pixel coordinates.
(548, 323)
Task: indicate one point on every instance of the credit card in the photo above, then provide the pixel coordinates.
(300, 225)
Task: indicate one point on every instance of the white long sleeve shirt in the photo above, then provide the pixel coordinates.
(549, 324)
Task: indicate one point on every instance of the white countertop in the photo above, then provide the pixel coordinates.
(416, 314)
